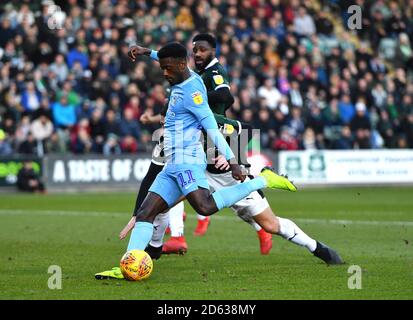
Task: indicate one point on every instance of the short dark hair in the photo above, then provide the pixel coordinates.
(206, 37)
(172, 50)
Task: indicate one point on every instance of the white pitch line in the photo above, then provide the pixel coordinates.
(61, 213)
(4, 212)
(360, 222)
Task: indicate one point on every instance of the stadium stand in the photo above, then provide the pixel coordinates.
(297, 72)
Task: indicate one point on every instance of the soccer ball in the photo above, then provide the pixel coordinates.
(136, 265)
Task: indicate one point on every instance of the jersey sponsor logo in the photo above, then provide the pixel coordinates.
(197, 97)
(170, 113)
(218, 79)
(228, 129)
(172, 101)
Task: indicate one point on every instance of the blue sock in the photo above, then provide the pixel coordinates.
(228, 196)
(141, 235)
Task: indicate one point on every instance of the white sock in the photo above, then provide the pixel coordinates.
(248, 219)
(290, 231)
(200, 217)
(255, 225)
(159, 225)
(176, 220)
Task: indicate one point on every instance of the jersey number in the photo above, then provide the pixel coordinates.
(182, 179)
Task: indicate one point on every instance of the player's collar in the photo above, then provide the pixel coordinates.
(192, 77)
(213, 61)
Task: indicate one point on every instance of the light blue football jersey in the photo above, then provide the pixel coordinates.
(188, 106)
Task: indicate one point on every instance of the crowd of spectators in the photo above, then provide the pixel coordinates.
(297, 72)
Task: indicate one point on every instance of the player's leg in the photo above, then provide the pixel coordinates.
(226, 197)
(141, 234)
(256, 207)
(154, 248)
(177, 242)
(204, 221)
(207, 204)
(202, 225)
(284, 228)
(246, 209)
(163, 193)
(221, 180)
(147, 181)
(176, 220)
(288, 230)
(153, 171)
(265, 238)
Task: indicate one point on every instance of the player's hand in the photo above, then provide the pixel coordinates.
(237, 172)
(221, 163)
(127, 228)
(135, 51)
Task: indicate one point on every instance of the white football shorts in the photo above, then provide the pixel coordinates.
(246, 208)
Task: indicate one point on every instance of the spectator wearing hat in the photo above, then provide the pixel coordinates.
(361, 126)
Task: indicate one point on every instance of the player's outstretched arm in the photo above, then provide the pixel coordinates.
(198, 106)
(135, 51)
(226, 125)
(211, 127)
(221, 95)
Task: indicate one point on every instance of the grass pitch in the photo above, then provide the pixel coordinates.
(370, 227)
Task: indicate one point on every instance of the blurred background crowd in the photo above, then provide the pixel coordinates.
(297, 72)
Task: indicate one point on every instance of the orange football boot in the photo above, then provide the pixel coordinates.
(265, 241)
(202, 227)
(176, 245)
